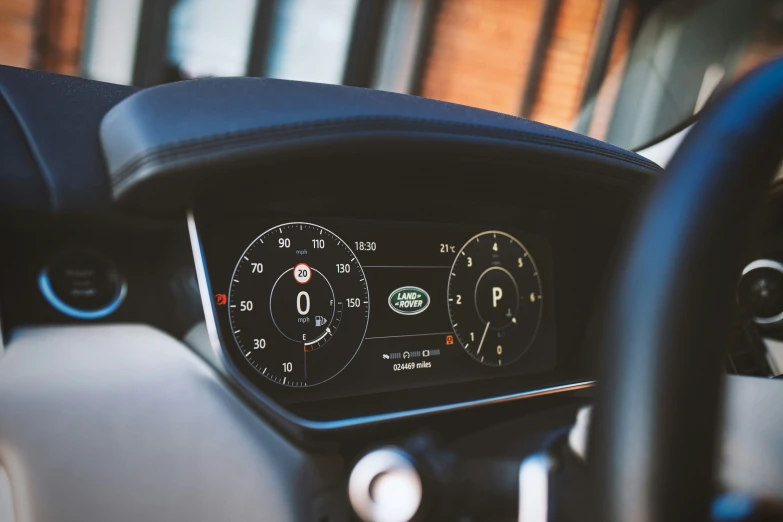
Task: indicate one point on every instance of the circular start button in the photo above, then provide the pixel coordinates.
(82, 284)
(760, 291)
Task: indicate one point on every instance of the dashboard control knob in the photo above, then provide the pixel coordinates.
(760, 291)
(385, 486)
(82, 284)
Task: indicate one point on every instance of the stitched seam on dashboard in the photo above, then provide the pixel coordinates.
(391, 124)
(286, 131)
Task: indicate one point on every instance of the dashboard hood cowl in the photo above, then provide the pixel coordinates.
(165, 132)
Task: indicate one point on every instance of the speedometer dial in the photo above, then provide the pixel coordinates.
(298, 304)
(495, 298)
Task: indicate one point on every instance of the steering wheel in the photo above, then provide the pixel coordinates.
(657, 413)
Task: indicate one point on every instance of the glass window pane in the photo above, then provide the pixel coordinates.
(310, 40)
(399, 42)
(111, 38)
(683, 52)
(210, 37)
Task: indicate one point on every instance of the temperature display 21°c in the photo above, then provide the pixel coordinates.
(298, 304)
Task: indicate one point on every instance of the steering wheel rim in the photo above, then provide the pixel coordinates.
(654, 439)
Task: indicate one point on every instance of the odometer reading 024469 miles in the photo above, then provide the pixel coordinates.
(298, 304)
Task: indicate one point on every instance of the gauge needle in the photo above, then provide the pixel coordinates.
(327, 332)
(482, 338)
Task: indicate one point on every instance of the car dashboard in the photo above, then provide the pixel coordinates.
(328, 318)
(345, 308)
(338, 272)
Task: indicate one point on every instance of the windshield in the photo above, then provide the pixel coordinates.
(624, 71)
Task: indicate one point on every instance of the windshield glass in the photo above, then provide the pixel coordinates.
(624, 71)
(682, 53)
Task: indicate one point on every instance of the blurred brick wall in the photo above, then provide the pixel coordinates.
(18, 32)
(567, 63)
(480, 55)
(62, 30)
(42, 34)
(481, 51)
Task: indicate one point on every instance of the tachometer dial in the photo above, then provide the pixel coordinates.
(495, 298)
(298, 304)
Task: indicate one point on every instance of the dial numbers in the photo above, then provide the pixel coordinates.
(495, 296)
(298, 304)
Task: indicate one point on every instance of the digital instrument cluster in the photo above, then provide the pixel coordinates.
(346, 307)
(298, 304)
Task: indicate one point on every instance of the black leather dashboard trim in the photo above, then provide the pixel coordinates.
(341, 127)
(338, 127)
(51, 153)
(22, 183)
(35, 151)
(170, 130)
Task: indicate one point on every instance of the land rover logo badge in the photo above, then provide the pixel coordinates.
(409, 300)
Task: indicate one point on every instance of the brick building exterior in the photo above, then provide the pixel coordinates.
(18, 32)
(480, 55)
(480, 52)
(42, 34)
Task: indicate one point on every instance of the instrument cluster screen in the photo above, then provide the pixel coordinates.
(330, 308)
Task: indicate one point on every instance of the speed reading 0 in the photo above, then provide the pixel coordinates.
(298, 304)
